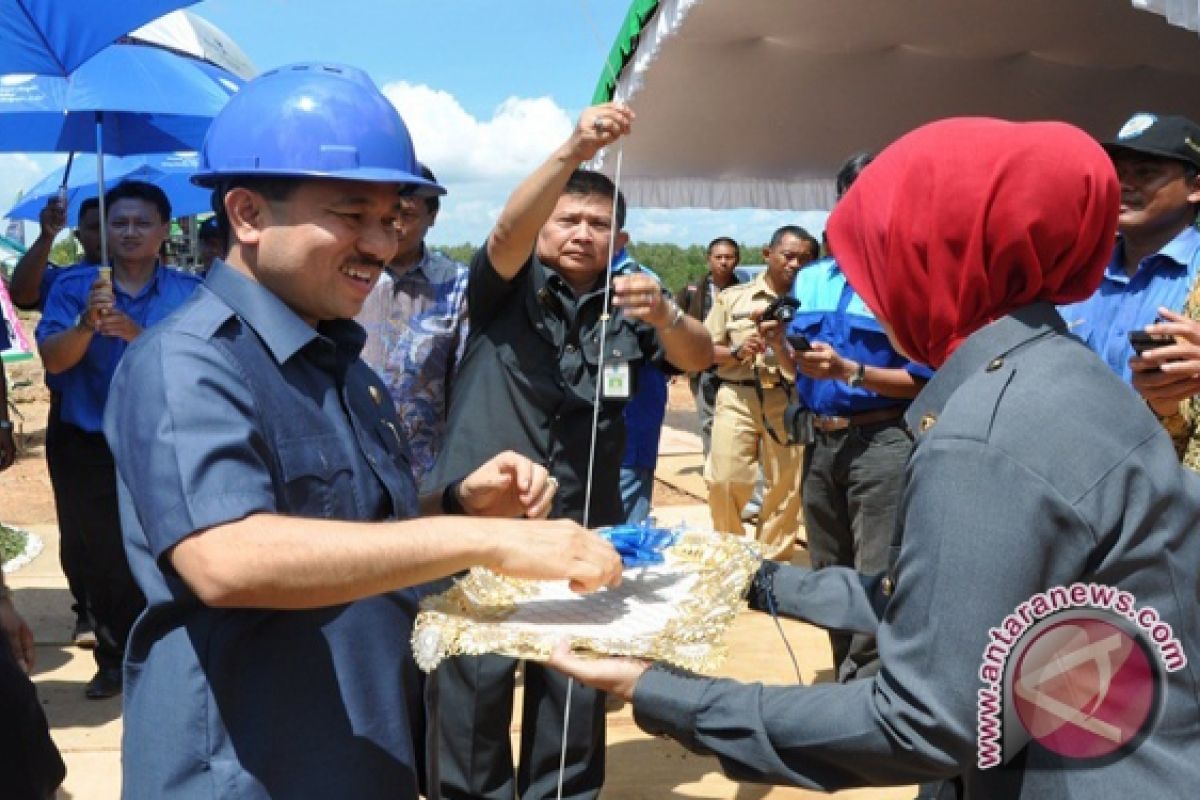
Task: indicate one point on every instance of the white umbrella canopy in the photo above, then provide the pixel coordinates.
(755, 103)
(189, 34)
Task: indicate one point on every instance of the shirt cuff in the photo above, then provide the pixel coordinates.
(666, 702)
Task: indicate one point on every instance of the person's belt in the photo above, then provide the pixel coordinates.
(831, 424)
(747, 382)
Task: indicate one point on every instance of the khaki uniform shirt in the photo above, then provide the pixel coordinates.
(730, 323)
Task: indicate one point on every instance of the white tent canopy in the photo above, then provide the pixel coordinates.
(755, 103)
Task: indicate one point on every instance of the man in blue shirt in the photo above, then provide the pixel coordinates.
(265, 484)
(643, 421)
(858, 387)
(1157, 254)
(32, 279)
(88, 323)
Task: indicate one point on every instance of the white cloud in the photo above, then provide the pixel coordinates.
(521, 133)
(480, 161)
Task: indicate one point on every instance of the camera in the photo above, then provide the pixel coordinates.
(782, 310)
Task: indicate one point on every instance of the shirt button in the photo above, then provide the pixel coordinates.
(570, 348)
(887, 585)
(927, 422)
(995, 364)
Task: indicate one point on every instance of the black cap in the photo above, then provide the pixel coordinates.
(208, 228)
(1173, 137)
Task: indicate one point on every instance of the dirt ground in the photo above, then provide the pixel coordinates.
(26, 497)
(25, 494)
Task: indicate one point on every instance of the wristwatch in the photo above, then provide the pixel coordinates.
(859, 377)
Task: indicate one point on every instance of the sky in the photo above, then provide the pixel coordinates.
(488, 89)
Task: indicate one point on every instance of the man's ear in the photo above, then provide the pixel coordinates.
(1194, 189)
(248, 212)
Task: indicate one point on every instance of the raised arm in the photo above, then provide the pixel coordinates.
(513, 239)
(26, 285)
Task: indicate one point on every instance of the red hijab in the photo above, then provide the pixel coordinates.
(965, 220)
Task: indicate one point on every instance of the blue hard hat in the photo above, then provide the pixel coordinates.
(312, 121)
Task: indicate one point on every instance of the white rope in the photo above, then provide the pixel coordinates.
(604, 318)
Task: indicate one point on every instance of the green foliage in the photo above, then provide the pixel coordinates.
(674, 264)
(66, 251)
(459, 252)
(12, 544)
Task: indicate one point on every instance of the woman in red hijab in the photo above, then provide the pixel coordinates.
(1038, 628)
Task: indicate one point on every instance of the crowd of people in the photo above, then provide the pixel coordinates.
(259, 470)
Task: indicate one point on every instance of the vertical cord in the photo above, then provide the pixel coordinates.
(604, 318)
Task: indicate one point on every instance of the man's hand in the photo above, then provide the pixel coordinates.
(749, 348)
(598, 127)
(53, 218)
(100, 301)
(118, 324)
(824, 363)
(771, 331)
(509, 485)
(552, 550)
(617, 676)
(17, 635)
(641, 297)
(1166, 375)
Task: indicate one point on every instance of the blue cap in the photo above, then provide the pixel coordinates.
(312, 121)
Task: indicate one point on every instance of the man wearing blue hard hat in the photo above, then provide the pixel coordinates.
(266, 503)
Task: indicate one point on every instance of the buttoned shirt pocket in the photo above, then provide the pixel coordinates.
(316, 477)
(622, 354)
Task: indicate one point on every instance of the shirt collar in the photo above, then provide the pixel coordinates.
(982, 349)
(421, 265)
(760, 285)
(151, 286)
(1181, 251)
(280, 328)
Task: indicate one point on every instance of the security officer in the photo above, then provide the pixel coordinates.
(1156, 258)
(265, 487)
(748, 425)
(858, 387)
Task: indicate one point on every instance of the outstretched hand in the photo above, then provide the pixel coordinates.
(554, 549)
(617, 676)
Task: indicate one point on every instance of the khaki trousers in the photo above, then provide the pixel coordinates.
(739, 442)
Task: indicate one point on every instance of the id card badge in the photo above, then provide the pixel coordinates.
(615, 382)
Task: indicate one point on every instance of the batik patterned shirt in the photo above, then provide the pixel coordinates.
(416, 323)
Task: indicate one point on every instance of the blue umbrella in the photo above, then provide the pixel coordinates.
(144, 99)
(171, 172)
(127, 99)
(53, 37)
